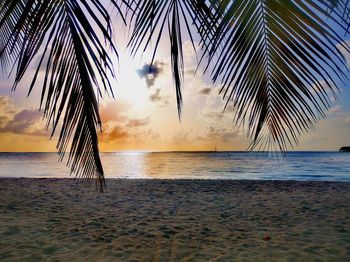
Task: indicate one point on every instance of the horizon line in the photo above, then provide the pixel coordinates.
(182, 151)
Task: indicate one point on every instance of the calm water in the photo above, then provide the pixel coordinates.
(332, 166)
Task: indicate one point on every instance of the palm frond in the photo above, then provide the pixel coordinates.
(153, 17)
(340, 9)
(277, 61)
(13, 24)
(76, 64)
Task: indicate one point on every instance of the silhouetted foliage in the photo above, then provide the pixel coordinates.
(277, 61)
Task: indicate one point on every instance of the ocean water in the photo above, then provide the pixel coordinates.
(326, 166)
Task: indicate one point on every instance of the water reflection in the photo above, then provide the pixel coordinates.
(124, 165)
(220, 165)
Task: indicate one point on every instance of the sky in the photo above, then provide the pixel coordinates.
(143, 117)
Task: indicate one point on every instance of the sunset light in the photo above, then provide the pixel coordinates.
(174, 130)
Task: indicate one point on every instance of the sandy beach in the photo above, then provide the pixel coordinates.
(174, 220)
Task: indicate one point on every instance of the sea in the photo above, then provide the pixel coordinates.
(301, 166)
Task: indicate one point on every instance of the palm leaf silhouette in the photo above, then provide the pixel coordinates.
(76, 65)
(340, 10)
(153, 17)
(277, 61)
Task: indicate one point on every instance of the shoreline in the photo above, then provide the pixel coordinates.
(179, 179)
(174, 219)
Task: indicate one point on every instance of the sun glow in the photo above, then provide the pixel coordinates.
(130, 86)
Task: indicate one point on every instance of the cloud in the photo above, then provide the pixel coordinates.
(323, 88)
(181, 137)
(4, 100)
(212, 108)
(16, 121)
(3, 120)
(156, 97)
(138, 122)
(117, 133)
(213, 133)
(25, 122)
(115, 111)
(335, 110)
(189, 52)
(216, 115)
(345, 53)
(113, 133)
(205, 91)
(152, 134)
(128, 132)
(151, 72)
(118, 127)
(7, 108)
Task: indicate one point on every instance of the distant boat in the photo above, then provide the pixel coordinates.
(344, 149)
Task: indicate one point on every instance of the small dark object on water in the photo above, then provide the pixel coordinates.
(266, 238)
(344, 149)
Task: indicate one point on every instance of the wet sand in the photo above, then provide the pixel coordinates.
(174, 220)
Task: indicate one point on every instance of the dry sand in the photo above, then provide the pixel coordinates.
(174, 220)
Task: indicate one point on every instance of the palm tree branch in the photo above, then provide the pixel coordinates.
(270, 58)
(65, 35)
(150, 18)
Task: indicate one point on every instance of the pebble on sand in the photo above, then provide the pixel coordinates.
(266, 238)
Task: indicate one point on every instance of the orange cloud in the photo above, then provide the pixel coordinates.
(117, 133)
(115, 111)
